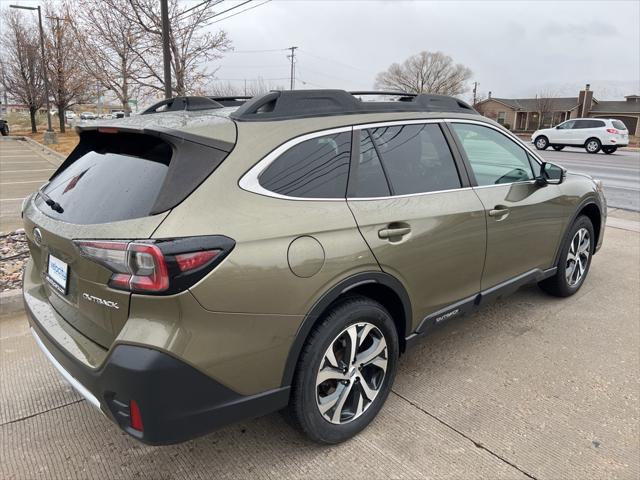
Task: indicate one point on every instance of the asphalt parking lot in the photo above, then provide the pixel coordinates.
(530, 387)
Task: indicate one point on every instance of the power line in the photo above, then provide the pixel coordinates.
(334, 61)
(199, 5)
(258, 51)
(245, 10)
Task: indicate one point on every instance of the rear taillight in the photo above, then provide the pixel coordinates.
(162, 266)
(612, 130)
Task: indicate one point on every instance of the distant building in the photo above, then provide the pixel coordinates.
(523, 114)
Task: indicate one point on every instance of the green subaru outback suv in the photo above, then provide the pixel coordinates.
(203, 263)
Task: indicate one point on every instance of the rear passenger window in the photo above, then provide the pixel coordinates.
(368, 177)
(316, 168)
(494, 158)
(416, 158)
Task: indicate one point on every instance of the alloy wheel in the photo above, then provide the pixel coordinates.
(578, 257)
(351, 373)
(541, 143)
(592, 146)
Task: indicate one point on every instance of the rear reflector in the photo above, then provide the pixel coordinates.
(135, 416)
(107, 130)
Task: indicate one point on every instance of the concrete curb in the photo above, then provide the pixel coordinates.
(11, 301)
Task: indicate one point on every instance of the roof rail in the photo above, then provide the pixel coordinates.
(177, 104)
(231, 101)
(283, 105)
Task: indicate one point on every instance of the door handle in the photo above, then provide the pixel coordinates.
(499, 211)
(393, 232)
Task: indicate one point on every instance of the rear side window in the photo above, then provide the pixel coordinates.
(368, 177)
(111, 180)
(416, 158)
(618, 124)
(315, 168)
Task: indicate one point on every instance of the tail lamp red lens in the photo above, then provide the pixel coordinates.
(612, 130)
(142, 266)
(135, 417)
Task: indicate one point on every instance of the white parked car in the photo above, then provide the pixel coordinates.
(69, 114)
(594, 134)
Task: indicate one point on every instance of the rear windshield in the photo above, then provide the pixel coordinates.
(114, 177)
(619, 125)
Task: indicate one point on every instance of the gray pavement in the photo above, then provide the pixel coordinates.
(530, 387)
(619, 172)
(23, 169)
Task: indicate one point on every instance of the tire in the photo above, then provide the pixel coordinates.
(592, 145)
(542, 142)
(557, 148)
(566, 282)
(353, 314)
(609, 150)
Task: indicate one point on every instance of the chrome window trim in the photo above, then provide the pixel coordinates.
(407, 195)
(250, 183)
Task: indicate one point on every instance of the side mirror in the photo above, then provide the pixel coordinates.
(550, 174)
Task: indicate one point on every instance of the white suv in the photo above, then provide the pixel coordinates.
(591, 133)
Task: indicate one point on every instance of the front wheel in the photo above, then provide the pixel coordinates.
(542, 142)
(609, 150)
(345, 371)
(557, 148)
(593, 145)
(575, 260)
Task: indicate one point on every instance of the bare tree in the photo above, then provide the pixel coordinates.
(111, 52)
(251, 88)
(191, 46)
(545, 105)
(68, 79)
(21, 62)
(426, 72)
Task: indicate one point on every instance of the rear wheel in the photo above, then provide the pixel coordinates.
(575, 260)
(609, 150)
(592, 145)
(345, 371)
(542, 142)
(557, 148)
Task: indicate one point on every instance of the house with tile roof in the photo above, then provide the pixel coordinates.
(529, 114)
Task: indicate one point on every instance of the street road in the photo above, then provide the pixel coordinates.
(619, 172)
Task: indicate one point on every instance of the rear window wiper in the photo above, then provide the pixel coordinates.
(55, 206)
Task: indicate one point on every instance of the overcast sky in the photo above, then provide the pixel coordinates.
(514, 48)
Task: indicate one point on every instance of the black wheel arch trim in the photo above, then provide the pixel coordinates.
(587, 201)
(331, 296)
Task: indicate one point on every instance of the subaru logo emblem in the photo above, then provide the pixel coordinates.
(37, 236)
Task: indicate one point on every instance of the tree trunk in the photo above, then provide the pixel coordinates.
(32, 114)
(61, 118)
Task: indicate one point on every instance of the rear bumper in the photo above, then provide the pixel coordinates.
(177, 402)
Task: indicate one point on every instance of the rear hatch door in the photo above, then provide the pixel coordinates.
(108, 189)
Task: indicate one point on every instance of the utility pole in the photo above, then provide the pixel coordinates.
(49, 136)
(293, 68)
(166, 52)
(475, 90)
